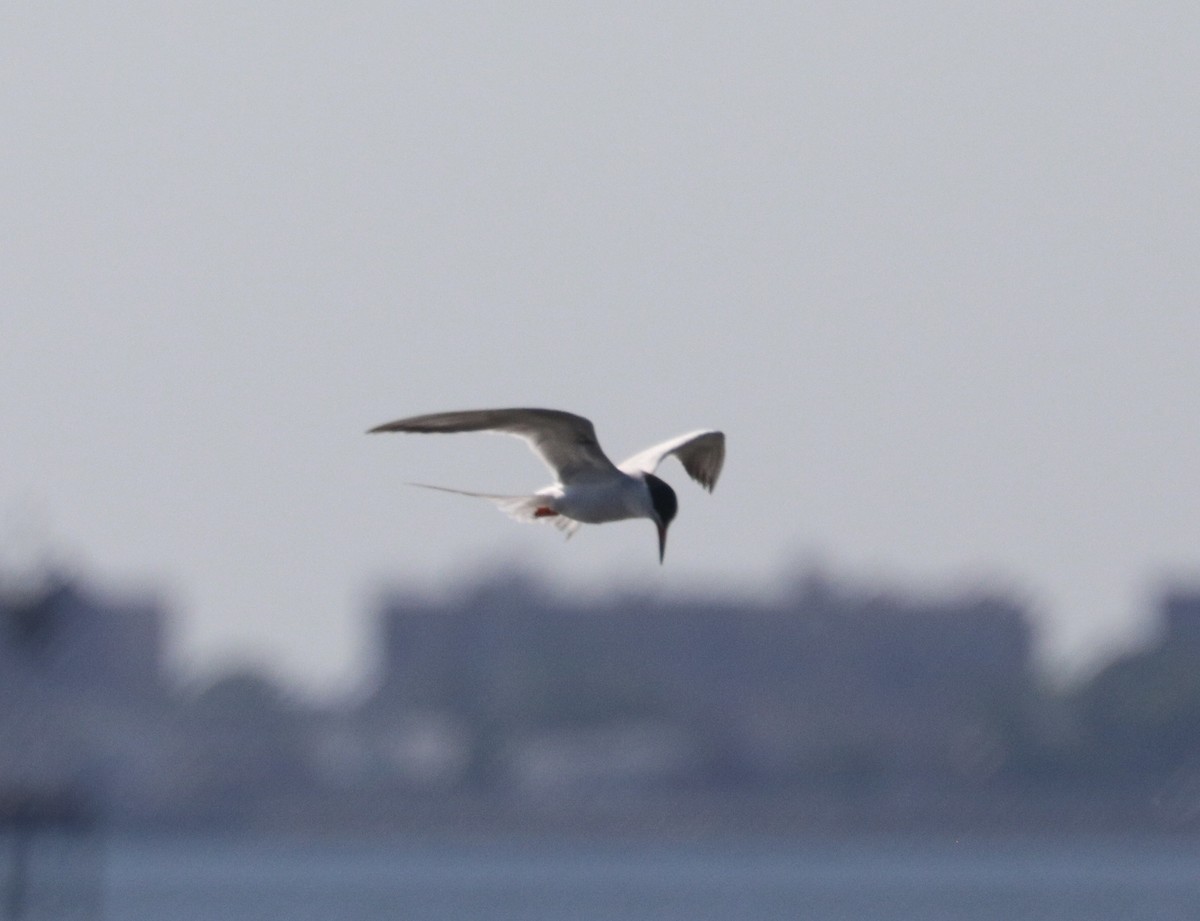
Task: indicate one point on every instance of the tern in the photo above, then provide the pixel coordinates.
(590, 488)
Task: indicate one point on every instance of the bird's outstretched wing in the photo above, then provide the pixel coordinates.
(702, 454)
(566, 442)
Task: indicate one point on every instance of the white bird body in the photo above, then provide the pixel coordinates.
(590, 489)
(596, 502)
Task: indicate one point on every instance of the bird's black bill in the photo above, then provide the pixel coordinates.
(662, 542)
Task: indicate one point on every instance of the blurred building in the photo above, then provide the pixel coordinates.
(75, 668)
(508, 703)
(80, 674)
(1181, 617)
(70, 638)
(824, 686)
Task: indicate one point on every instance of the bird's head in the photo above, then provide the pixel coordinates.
(662, 498)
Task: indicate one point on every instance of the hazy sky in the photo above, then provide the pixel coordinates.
(932, 267)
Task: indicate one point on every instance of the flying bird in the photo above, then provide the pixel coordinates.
(590, 488)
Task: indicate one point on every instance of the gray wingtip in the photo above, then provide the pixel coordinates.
(397, 426)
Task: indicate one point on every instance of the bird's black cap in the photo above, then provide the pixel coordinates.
(663, 498)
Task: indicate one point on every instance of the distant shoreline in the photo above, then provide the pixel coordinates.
(707, 816)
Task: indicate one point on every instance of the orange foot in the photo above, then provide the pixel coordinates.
(543, 512)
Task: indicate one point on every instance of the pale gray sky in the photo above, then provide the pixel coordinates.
(932, 266)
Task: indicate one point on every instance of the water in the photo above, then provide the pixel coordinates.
(865, 880)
